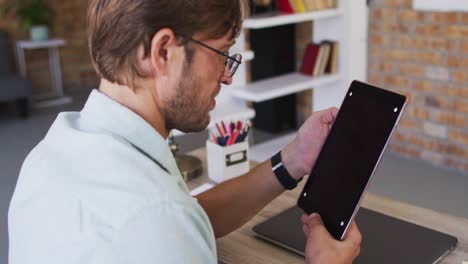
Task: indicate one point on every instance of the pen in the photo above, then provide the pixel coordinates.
(233, 126)
(213, 136)
(235, 137)
(230, 129)
(223, 126)
(230, 133)
(220, 130)
(239, 125)
(222, 141)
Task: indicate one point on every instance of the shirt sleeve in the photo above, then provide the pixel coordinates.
(167, 233)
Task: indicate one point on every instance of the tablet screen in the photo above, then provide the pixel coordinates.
(350, 155)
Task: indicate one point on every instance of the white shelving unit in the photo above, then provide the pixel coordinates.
(277, 19)
(329, 24)
(346, 24)
(280, 86)
(246, 55)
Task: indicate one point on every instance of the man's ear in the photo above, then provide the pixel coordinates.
(164, 50)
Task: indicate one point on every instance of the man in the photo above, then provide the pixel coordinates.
(103, 186)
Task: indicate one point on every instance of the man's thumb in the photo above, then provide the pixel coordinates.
(316, 226)
(314, 220)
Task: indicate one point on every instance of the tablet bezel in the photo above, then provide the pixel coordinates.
(357, 206)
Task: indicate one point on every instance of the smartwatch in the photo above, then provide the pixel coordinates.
(282, 174)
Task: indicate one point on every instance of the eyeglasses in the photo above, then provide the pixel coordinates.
(231, 63)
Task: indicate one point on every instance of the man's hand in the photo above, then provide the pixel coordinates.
(323, 248)
(300, 155)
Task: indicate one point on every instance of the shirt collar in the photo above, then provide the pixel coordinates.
(118, 120)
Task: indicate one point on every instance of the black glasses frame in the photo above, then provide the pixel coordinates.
(236, 58)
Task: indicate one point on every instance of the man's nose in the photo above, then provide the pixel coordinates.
(225, 80)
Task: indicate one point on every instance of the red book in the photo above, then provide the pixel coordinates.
(285, 7)
(310, 56)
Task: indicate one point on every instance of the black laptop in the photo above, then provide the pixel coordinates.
(385, 239)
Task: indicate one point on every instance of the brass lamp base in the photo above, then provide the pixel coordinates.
(190, 167)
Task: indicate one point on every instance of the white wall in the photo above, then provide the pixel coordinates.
(441, 5)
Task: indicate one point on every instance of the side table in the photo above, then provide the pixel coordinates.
(56, 96)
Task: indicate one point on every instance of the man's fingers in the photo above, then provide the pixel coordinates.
(355, 238)
(306, 230)
(334, 112)
(315, 224)
(328, 116)
(304, 218)
(316, 230)
(354, 235)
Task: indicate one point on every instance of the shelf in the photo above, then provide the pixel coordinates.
(230, 111)
(278, 19)
(280, 86)
(265, 150)
(247, 55)
(29, 44)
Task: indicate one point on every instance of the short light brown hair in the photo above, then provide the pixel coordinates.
(116, 28)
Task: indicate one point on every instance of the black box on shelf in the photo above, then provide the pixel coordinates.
(262, 6)
(274, 49)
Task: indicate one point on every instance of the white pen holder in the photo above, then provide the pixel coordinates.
(227, 162)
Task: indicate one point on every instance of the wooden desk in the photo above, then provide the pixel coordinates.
(241, 246)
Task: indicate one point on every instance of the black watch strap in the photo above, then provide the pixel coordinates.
(281, 173)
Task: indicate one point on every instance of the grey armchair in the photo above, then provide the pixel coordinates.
(12, 86)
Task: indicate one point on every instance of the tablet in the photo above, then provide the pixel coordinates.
(350, 154)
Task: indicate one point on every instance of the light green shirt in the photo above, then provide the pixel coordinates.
(92, 192)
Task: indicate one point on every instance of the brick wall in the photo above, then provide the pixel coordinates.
(424, 55)
(69, 24)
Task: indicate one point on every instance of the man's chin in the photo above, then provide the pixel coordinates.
(196, 126)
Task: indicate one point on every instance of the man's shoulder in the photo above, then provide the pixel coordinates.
(96, 163)
(102, 170)
(72, 144)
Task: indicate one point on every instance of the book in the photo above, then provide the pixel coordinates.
(293, 5)
(329, 61)
(310, 56)
(334, 58)
(330, 51)
(316, 69)
(310, 5)
(320, 59)
(325, 57)
(332, 63)
(300, 6)
(285, 7)
(321, 4)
